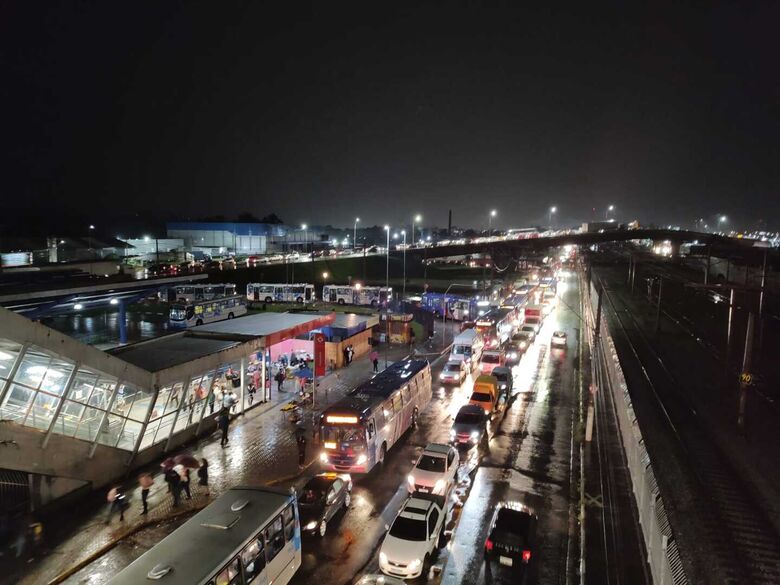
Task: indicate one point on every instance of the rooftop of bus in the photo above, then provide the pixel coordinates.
(195, 552)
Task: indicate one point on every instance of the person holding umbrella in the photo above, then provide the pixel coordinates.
(374, 357)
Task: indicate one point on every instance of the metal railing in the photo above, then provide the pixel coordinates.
(663, 554)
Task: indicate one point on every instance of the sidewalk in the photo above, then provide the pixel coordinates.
(261, 450)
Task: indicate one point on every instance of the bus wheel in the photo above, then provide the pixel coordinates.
(374, 303)
(199, 322)
(299, 300)
(230, 315)
(341, 301)
(269, 300)
(414, 418)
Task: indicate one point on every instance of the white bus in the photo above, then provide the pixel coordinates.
(199, 292)
(356, 294)
(280, 293)
(360, 428)
(201, 312)
(247, 535)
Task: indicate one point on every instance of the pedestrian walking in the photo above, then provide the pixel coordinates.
(279, 377)
(173, 480)
(116, 503)
(251, 389)
(224, 423)
(203, 474)
(175, 396)
(184, 474)
(256, 376)
(374, 357)
(212, 398)
(301, 440)
(146, 482)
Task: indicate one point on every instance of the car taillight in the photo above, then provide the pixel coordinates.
(526, 556)
(489, 545)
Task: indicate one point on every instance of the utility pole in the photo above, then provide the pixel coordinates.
(761, 304)
(591, 410)
(633, 276)
(745, 378)
(658, 306)
(732, 299)
(707, 270)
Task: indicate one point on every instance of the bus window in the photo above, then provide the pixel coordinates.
(288, 516)
(253, 558)
(388, 411)
(371, 429)
(397, 404)
(190, 313)
(230, 574)
(274, 538)
(406, 394)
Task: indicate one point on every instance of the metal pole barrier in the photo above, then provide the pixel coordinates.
(728, 335)
(761, 304)
(745, 378)
(658, 307)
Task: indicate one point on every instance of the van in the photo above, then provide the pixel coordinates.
(485, 394)
(468, 346)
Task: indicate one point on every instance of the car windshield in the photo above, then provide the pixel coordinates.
(408, 529)
(491, 358)
(528, 328)
(480, 397)
(468, 419)
(452, 368)
(431, 463)
(311, 496)
(501, 376)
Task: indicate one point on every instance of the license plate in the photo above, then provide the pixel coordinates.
(506, 561)
(423, 490)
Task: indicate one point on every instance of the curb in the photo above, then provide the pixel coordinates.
(115, 541)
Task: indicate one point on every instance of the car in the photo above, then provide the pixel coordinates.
(454, 372)
(415, 535)
(505, 380)
(321, 498)
(490, 359)
(513, 353)
(529, 330)
(484, 400)
(512, 537)
(213, 265)
(435, 470)
(372, 579)
(469, 427)
(558, 339)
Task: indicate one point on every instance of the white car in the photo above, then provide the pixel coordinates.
(416, 533)
(454, 372)
(558, 339)
(434, 472)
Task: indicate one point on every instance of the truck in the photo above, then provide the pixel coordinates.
(534, 315)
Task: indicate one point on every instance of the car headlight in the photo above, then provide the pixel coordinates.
(361, 459)
(324, 457)
(474, 435)
(382, 558)
(522, 345)
(410, 479)
(452, 433)
(311, 525)
(439, 485)
(415, 564)
(441, 376)
(503, 386)
(513, 355)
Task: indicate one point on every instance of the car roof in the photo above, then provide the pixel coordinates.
(501, 370)
(437, 448)
(454, 363)
(418, 505)
(471, 409)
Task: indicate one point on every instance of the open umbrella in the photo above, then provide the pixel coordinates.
(168, 464)
(187, 460)
(303, 373)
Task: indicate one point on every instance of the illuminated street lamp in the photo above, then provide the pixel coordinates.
(354, 239)
(387, 296)
(417, 219)
(490, 221)
(553, 210)
(722, 219)
(403, 291)
(608, 211)
(325, 278)
(305, 229)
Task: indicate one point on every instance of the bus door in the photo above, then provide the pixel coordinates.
(308, 292)
(256, 293)
(333, 295)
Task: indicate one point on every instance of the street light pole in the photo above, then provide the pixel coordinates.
(490, 228)
(553, 209)
(607, 211)
(354, 238)
(403, 288)
(416, 219)
(387, 296)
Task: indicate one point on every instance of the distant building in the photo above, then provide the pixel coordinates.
(34, 251)
(593, 227)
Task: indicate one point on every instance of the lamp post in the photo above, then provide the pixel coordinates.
(490, 229)
(490, 222)
(354, 238)
(305, 229)
(553, 210)
(608, 211)
(387, 296)
(91, 251)
(417, 219)
(722, 219)
(403, 287)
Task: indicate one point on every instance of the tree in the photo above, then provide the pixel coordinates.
(272, 218)
(247, 217)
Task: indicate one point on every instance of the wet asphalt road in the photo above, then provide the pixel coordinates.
(528, 461)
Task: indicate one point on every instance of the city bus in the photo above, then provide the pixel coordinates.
(247, 535)
(189, 293)
(496, 326)
(356, 294)
(358, 430)
(458, 308)
(280, 293)
(201, 312)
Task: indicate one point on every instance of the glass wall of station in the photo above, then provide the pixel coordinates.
(48, 392)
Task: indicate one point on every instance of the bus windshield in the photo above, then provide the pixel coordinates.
(462, 350)
(178, 312)
(343, 434)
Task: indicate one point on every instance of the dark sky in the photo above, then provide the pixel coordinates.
(369, 109)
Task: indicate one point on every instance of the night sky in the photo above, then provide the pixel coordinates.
(321, 114)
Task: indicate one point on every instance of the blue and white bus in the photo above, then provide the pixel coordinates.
(188, 293)
(202, 312)
(247, 535)
(359, 429)
(356, 294)
(280, 293)
(458, 308)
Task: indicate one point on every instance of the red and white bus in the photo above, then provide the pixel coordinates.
(496, 326)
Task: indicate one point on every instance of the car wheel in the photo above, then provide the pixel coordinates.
(199, 322)
(426, 567)
(323, 528)
(230, 315)
(347, 500)
(269, 300)
(382, 454)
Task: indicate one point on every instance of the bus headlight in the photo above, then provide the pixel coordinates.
(324, 457)
(311, 525)
(361, 459)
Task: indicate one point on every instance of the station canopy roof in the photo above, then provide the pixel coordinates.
(244, 334)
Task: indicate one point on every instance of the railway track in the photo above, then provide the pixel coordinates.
(745, 545)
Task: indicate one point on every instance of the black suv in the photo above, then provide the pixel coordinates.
(512, 537)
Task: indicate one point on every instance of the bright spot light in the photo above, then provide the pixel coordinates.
(304, 226)
(78, 306)
(418, 218)
(553, 209)
(387, 228)
(324, 275)
(114, 301)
